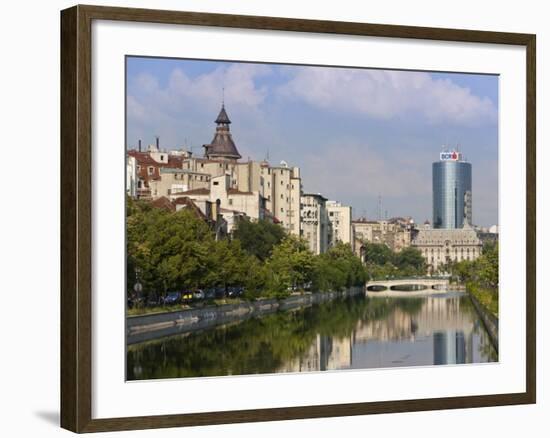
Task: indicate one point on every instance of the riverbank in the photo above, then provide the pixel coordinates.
(141, 328)
(488, 318)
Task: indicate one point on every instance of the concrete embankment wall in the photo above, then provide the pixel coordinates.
(489, 320)
(147, 327)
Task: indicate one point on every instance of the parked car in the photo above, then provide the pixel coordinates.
(172, 298)
(186, 295)
(198, 295)
(210, 293)
(234, 291)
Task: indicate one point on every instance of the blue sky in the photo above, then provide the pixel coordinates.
(355, 133)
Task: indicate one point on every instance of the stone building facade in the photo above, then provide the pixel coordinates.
(395, 233)
(439, 246)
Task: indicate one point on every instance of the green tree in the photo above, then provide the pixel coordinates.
(291, 265)
(169, 250)
(410, 261)
(226, 265)
(259, 238)
(377, 253)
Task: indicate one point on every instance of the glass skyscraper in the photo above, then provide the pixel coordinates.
(452, 191)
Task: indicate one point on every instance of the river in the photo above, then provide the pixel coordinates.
(351, 333)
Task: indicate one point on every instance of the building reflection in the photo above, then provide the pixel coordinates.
(440, 320)
(449, 347)
(325, 353)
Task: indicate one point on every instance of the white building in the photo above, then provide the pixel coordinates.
(314, 222)
(131, 176)
(282, 190)
(232, 202)
(339, 217)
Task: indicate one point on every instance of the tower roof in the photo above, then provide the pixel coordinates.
(223, 117)
(222, 145)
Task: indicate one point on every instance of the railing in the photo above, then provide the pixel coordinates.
(393, 278)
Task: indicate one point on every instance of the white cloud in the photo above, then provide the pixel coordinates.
(206, 89)
(177, 110)
(364, 171)
(386, 94)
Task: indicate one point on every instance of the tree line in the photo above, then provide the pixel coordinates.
(480, 276)
(382, 262)
(174, 251)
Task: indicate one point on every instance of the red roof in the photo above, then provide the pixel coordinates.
(145, 161)
(164, 202)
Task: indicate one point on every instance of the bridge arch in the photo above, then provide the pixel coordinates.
(377, 288)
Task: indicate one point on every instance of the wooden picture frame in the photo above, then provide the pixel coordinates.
(76, 217)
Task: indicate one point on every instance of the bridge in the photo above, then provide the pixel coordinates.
(399, 287)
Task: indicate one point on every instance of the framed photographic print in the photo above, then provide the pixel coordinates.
(268, 218)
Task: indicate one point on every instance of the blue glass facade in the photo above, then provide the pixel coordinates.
(452, 193)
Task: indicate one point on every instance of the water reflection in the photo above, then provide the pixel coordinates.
(352, 333)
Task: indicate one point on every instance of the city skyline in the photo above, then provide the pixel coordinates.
(351, 124)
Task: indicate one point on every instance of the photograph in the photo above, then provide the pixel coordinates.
(286, 218)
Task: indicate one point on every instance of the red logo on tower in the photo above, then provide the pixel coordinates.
(450, 156)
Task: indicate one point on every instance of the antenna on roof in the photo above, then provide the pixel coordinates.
(223, 95)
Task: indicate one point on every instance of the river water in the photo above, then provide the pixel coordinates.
(351, 333)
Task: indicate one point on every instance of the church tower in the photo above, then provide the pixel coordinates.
(222, 146)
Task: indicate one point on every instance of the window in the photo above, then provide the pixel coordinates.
(151, 170)
(282, 210)
(202, 164)
(231, 202)
(216, 183)
(161, 157)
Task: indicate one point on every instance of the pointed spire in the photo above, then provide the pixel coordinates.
(222, 145)
(223, 118)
